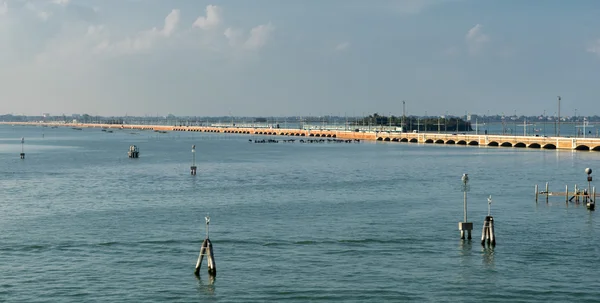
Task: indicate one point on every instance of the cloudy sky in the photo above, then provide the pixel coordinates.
(317, 57)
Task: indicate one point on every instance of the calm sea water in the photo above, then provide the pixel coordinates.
(366, 222)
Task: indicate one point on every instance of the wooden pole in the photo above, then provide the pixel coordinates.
(201, 256)
(567, 193)
(492, 235)
(536, 193)
(547, 192)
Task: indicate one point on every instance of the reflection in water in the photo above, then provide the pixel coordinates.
(488, 256)
(209, 287)
(465, 247)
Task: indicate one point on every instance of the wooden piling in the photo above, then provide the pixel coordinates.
(567, 194)
(536, 193)
(492, 235)
(133, 152)
(547, 192)
(212, 266)
(487, 233)
(200, 257)
(207, 249)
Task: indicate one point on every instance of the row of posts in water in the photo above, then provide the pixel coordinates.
(585, 195)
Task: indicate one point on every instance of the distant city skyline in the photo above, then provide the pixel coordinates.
(299, 58)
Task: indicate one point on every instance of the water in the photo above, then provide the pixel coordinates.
(366, 222)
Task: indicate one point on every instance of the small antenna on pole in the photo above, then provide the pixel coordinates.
(207, 218)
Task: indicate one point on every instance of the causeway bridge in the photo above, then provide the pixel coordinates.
(535, 142)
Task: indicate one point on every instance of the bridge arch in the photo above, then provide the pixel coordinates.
(450, 142)
(461, 142)
(404, 140)
(493, 143)
(534, 145)
(387, 139)
(414, 140)
(379, 139)
(429, 141)
(395, 140)
(549, 146)
(520, 144)
(596, 148)
(582, 147)
(439, 141)
(473, 143)
(506, 144)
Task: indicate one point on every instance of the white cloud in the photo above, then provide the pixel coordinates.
(476, 39)
(342, 46)
(213, 18)
(595, 48)
(171, 22)
(87, 42)
(143, 41)
(3, 8)
(259, 36)
(234, 36)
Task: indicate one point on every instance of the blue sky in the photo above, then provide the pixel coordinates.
(275, 58)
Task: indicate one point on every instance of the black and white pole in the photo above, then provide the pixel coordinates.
(23, 148)
(193, 167)
(591, 194)
(465, 226)
(487, 234)
(207, 249)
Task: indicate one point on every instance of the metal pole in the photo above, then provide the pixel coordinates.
(465, 180)
(403, 115)
(558, 129)
(465, 206)
(207, 218)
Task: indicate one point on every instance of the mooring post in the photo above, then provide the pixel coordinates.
(588, 171)
(487, 233)
(193, 167)
(23, 148)
(536, 193)
(590, 203)
(547, 192)
(465, 226)
(207, 249)
(567, 193)
(576, 194)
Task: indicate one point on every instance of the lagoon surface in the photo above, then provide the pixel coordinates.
(290, 222)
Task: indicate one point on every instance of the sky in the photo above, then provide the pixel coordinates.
(298, 58)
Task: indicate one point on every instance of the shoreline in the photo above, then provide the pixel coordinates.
(534, 142)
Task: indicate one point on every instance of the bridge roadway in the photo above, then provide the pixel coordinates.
(538, 142)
